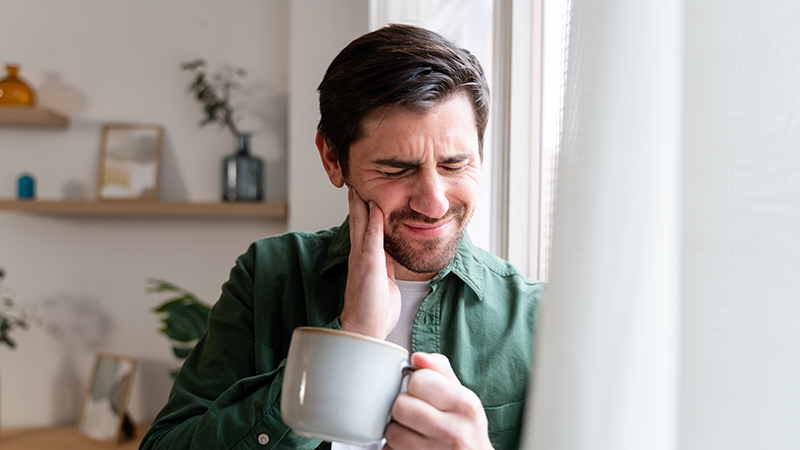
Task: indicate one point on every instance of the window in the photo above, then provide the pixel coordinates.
(555, 52)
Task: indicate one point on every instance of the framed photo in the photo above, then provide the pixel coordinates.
(130, 162)
(104, 414)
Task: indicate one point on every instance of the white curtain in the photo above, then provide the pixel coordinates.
(671, 315)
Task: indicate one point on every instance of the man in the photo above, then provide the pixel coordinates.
(403, 114)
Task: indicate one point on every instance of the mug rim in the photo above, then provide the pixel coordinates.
(351, 334)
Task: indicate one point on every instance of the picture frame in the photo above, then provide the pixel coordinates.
(104, 414)
(130, 162)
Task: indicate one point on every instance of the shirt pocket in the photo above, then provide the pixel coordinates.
(505, 423)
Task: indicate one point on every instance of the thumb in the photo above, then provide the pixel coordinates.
(436, 362)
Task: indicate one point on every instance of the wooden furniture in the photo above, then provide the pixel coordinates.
(162, 209)
(62, 438)
(34, 117)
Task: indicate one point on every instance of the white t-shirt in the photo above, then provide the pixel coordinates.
(411, 293)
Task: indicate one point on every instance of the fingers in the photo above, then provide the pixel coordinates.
(418, 420)
(436, 405)
(359, 219)
(398, 436)
(416, 415)
(436, 362)
(366, 225)
(373, 236)
(371, 299)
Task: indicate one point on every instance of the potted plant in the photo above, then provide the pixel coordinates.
(242, 173)
(183, 316)
(11, 316)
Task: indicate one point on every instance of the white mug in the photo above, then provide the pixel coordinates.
(341, 386)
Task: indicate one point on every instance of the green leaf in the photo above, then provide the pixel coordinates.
(186, 323)
(179, 330)
(183, 300)
(181, 352)
(4, 338)
(162, 286)
(194, 64)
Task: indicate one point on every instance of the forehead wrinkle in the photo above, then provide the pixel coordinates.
(411, 141)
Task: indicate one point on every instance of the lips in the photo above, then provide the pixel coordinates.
(429, 230)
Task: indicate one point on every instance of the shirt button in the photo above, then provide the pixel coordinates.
(263, 439)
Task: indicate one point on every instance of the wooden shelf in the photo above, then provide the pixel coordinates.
(160, 209)
(63, 438)
(34, 117)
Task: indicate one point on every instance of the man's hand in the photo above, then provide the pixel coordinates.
(437, 412)
(371, 298)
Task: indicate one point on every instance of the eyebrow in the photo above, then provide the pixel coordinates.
(398, 163)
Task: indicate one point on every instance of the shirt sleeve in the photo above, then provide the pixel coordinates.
(227, 393)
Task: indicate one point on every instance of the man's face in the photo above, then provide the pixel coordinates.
(422, 170)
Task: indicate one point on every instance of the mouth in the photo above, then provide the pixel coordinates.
(429, 230)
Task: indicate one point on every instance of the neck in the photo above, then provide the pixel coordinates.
(403, 274)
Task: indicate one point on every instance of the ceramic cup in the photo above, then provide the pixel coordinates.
(340, 386)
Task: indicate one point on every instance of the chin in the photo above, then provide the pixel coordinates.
(428, 256)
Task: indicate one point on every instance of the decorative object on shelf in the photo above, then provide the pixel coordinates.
(184, 318)
(242, 173)
(26, 187)
(12, 317)
(104, 415)
(130, 162)
(14, 91)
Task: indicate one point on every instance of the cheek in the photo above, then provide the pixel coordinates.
(465, 189)
(388, 196)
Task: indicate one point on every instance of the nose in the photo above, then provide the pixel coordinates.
(429, 195)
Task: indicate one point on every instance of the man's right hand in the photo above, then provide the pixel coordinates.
(371, 298)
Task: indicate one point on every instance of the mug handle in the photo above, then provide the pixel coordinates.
(408, 369)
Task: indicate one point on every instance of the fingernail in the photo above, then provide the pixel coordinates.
(371, 204)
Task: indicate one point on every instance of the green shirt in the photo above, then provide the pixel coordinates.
(480, 314)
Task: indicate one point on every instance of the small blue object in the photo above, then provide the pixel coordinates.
(26, 187)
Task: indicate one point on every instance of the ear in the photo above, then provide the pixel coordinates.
(329, 161)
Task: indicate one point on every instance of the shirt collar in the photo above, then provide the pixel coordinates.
(465, 265)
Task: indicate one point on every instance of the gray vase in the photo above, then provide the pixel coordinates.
(242, 173)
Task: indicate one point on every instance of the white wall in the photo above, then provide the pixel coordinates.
(318, 31)
(102, 61)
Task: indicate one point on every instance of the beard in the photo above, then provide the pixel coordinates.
(427, 255)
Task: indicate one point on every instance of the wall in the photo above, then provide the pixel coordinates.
(102, 61)
(315, 203)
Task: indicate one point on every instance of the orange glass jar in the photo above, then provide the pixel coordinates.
(14, 91)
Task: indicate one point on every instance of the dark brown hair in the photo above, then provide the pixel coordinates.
(395, 66)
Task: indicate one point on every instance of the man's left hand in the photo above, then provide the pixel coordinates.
(437, 412)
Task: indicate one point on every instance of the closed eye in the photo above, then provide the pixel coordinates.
(454, 169)
(396, 173)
